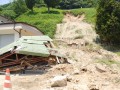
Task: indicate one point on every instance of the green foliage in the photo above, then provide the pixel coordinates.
(51, 3)
(42, 20)
(8, 13)
(5, 5)
(89, 3)
(39, 3)
(72, 4)
(19, 7)
(30, 4)
(1, 8)
(108, 21)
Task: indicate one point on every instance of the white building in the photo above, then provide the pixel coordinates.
(11, 31)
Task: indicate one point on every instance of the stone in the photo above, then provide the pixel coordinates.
(100, 68)
(59, 81)
(69, 78)
(80, 87)
(76, 72)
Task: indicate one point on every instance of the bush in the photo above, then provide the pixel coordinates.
(108, 21)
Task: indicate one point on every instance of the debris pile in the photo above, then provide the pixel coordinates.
(28, 52)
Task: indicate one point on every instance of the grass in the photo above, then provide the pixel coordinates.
(118, 53)
(47, 22)
(108, 62)
(112, 48)
(42, 20)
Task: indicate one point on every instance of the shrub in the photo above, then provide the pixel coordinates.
(108, 21)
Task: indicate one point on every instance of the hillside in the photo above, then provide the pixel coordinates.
(47, 22)
(91, 66)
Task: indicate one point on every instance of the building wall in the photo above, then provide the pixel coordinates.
(11, 29)
(7, 37)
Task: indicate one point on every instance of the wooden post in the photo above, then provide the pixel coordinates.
(58, 61)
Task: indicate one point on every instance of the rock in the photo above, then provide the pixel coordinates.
(59, 81)
(80, 87)
(100, 68)
(106, 84)
(94, 87)
(115, 69)
(76, 72)
(69, 78)
(17, 74)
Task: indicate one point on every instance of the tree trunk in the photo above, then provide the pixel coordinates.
(48, 9)
(32, 10)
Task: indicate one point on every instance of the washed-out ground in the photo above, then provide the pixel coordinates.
(91, 67)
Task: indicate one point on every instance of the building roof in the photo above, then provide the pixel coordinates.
(37, 38)
(22, 26)
(29, 45)
(23, 23)
(33, 49)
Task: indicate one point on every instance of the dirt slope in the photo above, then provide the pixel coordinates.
(74, 27)
(74, 38)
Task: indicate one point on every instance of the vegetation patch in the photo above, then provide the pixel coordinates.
(42, 20)
(108, 62)
(118, 53)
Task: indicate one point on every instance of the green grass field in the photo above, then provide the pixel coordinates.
(47, 22)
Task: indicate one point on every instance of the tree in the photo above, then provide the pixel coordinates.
(39, 3)
(9, 14)
(71, 4)
(19, 7)
(108, 21)
(51, 3)
(30, 4)
(1, 8)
